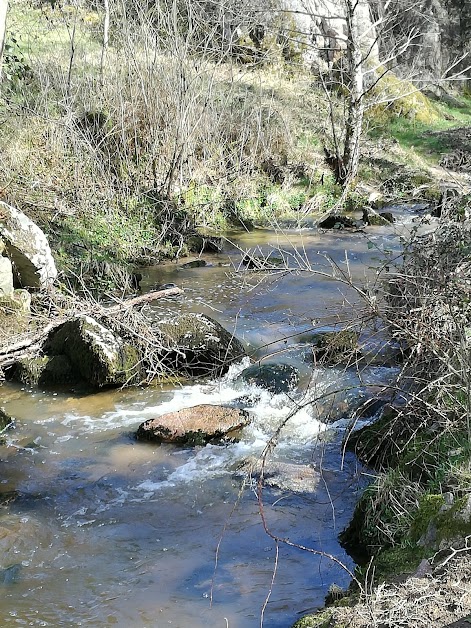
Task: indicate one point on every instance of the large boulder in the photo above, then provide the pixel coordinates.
(96, 355)
(195, 344)
(320, 27)
(27, 248)
(193, 426)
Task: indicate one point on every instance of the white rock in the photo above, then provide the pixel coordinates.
(6, 277)
(27, 247)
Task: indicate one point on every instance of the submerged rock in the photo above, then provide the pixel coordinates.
(193, 426)
(11, 574)
(195, 344)
(277, 378)
(296, 478)
(336, 346)
(20, 538)
(337, 221)
(28, 249)
(97, 356)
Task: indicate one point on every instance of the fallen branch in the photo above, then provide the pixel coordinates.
(142, 298)
(32, 343)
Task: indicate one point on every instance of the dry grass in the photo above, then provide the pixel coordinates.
(431, 600)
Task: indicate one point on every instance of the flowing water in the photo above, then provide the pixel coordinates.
(97, 529)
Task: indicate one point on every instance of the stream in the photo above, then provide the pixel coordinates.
(97, 529)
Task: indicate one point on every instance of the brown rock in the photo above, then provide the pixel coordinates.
(193, 426)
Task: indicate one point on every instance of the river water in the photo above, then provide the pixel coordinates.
(97, 529)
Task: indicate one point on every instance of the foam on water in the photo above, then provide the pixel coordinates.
(299, 413)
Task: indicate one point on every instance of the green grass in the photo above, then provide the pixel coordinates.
(105, 235)
(425, 139)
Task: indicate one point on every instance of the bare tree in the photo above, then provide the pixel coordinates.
(106, 36)
(378, 36)
(3, 20)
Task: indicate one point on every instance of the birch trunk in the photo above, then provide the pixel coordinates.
(354, 123)
(3, 21)
(104, 47)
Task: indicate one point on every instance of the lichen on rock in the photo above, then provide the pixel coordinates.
(97, 356)
(193, 426)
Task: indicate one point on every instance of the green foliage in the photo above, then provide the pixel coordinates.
(383, 514)
(397, 561)
(15, 68)
(205, 205)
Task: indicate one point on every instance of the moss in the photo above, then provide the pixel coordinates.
(29, 370)
(429, 507)
(402, 99)
(336, 345)
(322, 619)
(454, 523)
(5, 420)
(396, 562)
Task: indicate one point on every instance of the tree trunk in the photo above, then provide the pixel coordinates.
(354, 124)
(104, 47)
(3, 21)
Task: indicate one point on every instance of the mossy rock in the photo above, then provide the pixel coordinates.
(204, 243)
(429, 508)
(196, 344)
(96, 355)
(397, 562)
(337, 221)
(44, 371)
(440, 525)
(401, 99)
(258, 262)
(373, 218)
(194, 426)
(5, 419)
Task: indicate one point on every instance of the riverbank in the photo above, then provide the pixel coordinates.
(125, 177)
(413, 523)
